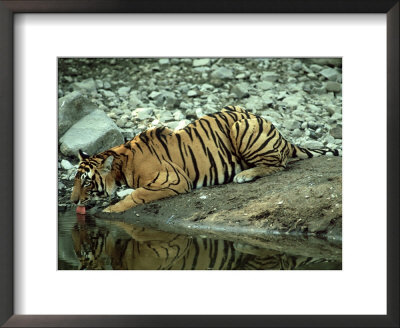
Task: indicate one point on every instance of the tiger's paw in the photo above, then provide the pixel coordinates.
(117, 208)
(243, 177)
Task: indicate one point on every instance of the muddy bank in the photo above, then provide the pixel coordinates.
(297, 211)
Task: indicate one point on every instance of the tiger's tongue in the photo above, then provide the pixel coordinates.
(81, 210)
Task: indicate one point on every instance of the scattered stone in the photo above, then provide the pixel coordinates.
(315, 68)
(269, 76)
(241, 90)
(201, 62)
(336, 132)
(265, 85)
(163, 61)
(143, 113)
(86, 86)
(329, 73)
(254, 103)
(313, 144)
(192, 93)
(291, 124)
(333, 86)
(222, 73)
(66, 165)
(123, 91)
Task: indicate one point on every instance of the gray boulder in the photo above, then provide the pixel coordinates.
(71, 108)
(93, 133)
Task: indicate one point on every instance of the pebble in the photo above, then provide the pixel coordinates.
(123, 91)
(192, 93)
(336, 132)
(269, 76)
(163, 61)
(329, 73)
(265, 85)
(333, 86)
(241, 90)
(66, 165)
(222, 73)
(201, 62)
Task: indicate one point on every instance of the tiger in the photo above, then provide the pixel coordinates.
(139, 248)
(231, 145)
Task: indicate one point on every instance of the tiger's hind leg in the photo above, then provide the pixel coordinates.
(260, 146)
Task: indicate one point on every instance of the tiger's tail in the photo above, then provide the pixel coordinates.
(303, 153)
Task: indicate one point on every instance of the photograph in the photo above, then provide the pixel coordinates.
(199, 163)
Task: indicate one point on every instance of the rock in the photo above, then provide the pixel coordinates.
(154, 94)
(269, 76)
(166, 98)
(134, 100)
(254, 103)
(182, 124)
(143, 113)
(201, 62)
(267, 100)
(315, 68)
(333, 86)
(166, 116)
(324, 61)
(93, 133)
(206, 87)
(123, 91)
(336, 132)
(163, 61)
(297, 66)
(86, 86)
(313, 144)
(329, 73)
(66, 165)
(192, 93)
(107, 93)
(222, 73)
(291, 124)
(241, 90)
(178, 115)
(265, 85)
(107, 85)
(293, 101)
(71, 108)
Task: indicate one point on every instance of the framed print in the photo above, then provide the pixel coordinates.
(136, 67)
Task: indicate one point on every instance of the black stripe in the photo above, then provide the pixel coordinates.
(195, 167)
(196, 254)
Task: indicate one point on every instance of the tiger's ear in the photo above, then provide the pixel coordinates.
(82, 155)
(107, 164)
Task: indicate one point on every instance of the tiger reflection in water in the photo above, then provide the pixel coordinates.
(98, 248)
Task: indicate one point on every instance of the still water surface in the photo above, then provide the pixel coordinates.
(88, 243)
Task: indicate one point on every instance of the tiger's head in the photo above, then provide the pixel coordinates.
(94, 178)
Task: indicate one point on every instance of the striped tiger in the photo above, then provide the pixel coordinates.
(231, 145)
(140, 248)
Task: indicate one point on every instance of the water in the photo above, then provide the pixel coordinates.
(88, 243)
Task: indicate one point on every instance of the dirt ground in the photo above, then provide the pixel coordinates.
(297, 211)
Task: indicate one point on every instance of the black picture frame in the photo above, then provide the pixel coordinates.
(11, 7)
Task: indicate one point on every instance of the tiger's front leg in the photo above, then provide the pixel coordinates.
(171, 181)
